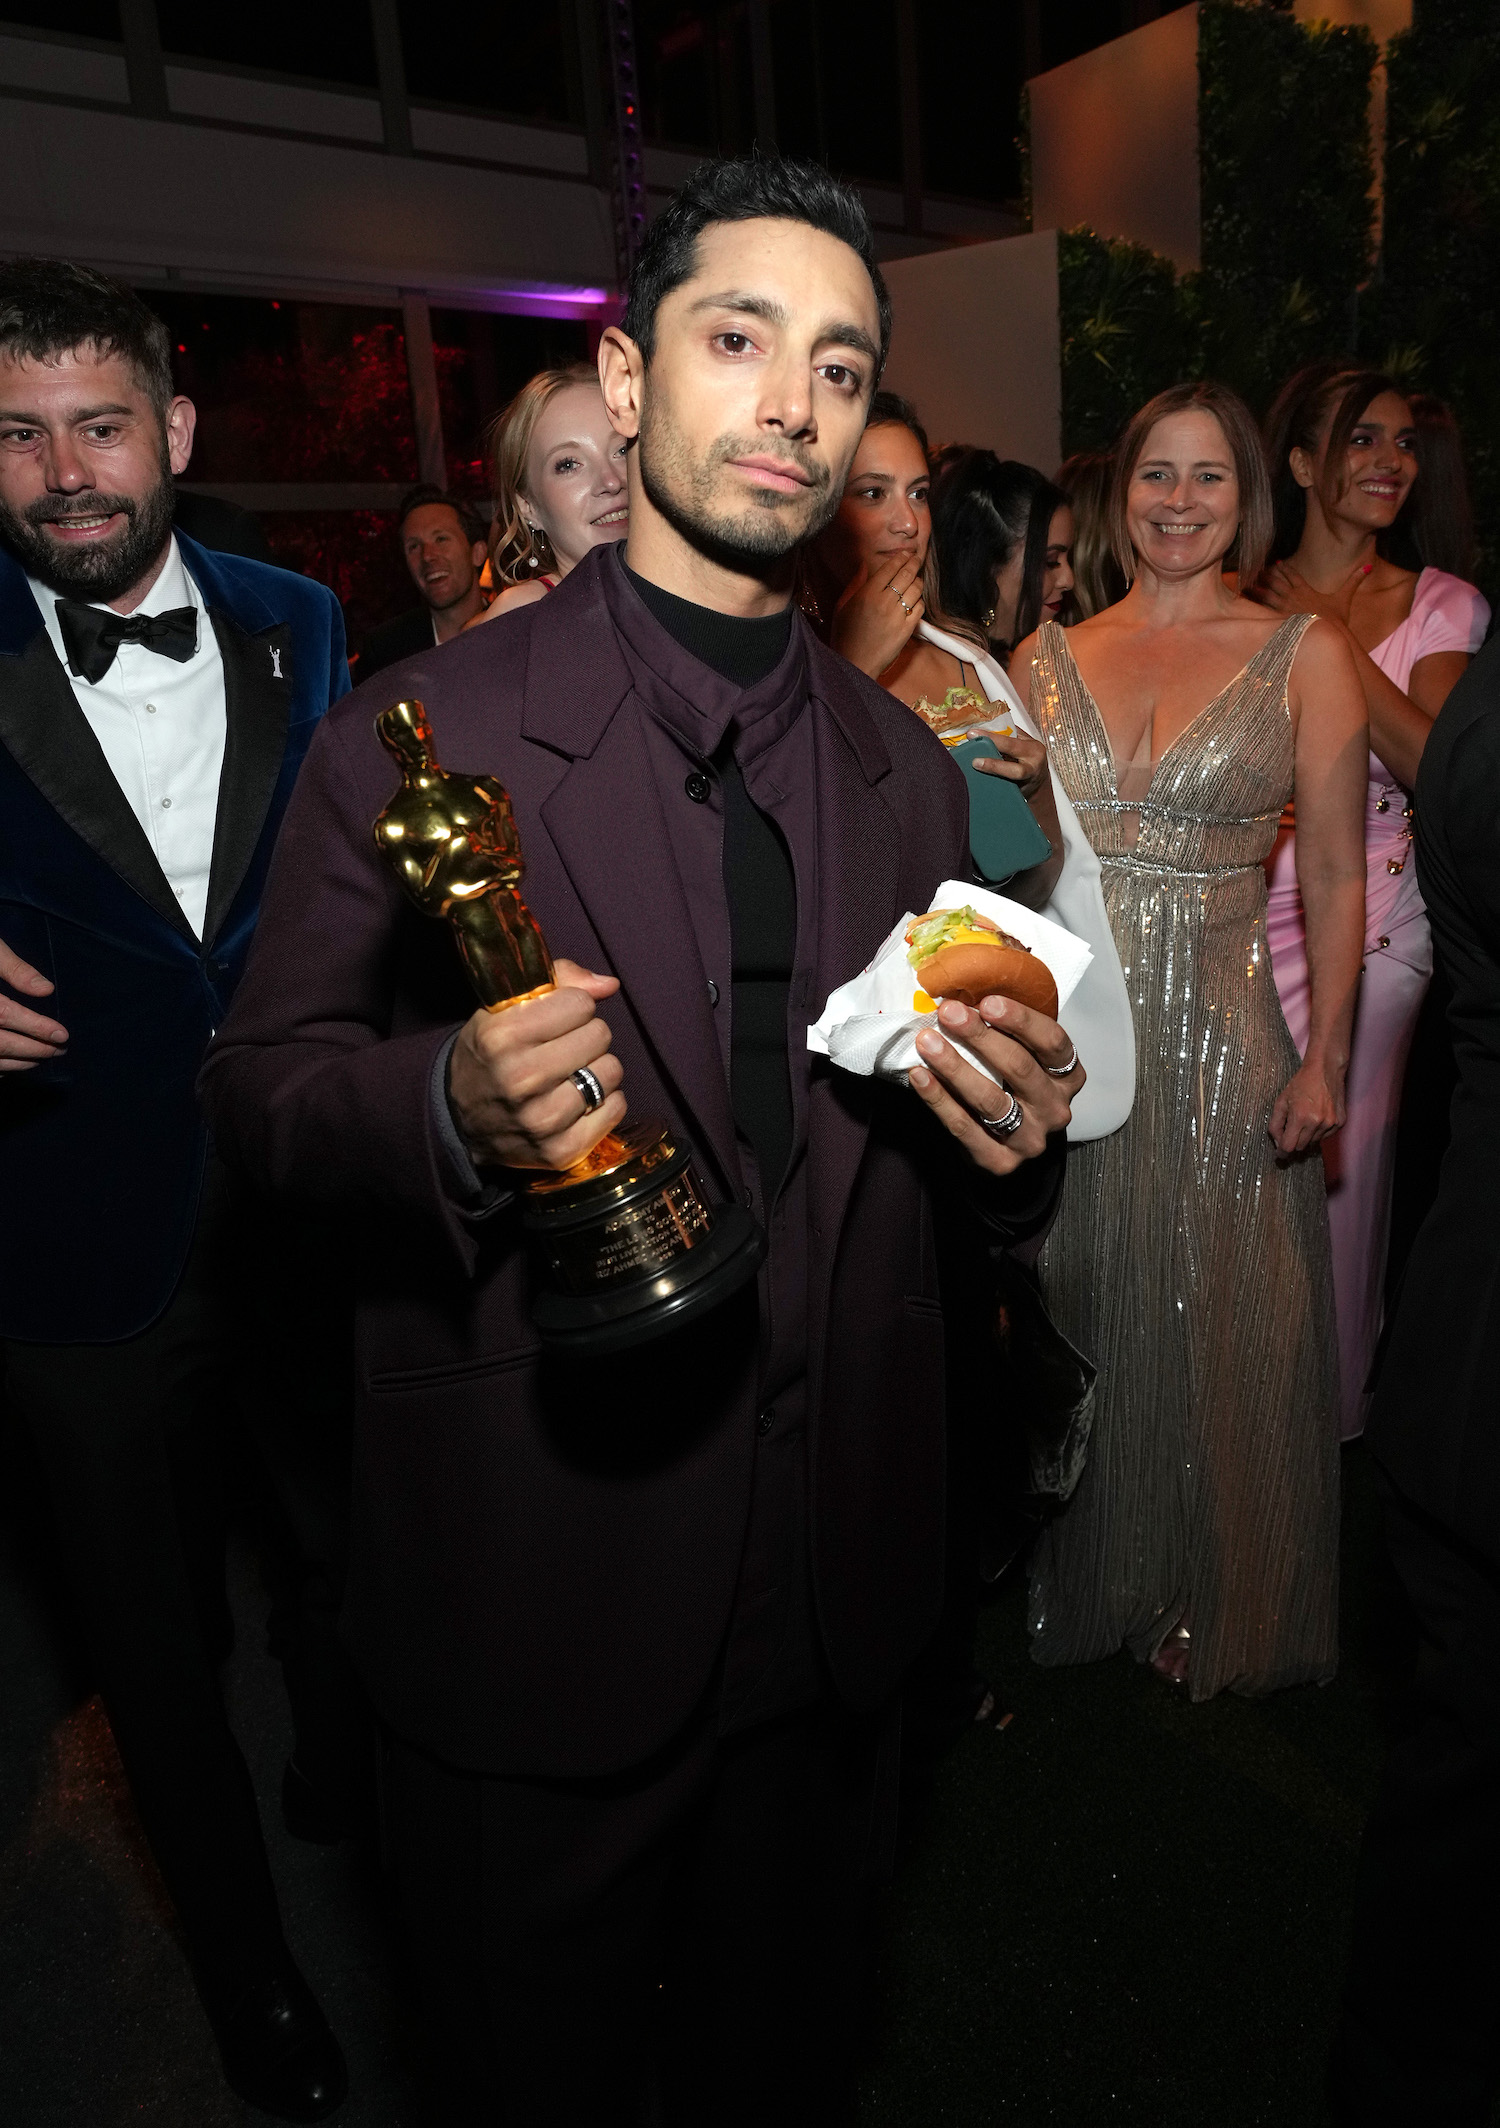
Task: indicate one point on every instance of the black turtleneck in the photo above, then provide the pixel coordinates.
(759, 883)
(741, 650)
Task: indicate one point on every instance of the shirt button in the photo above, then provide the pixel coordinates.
(698, 787)
(166, 805)
(713, 991)
(150, 709)
(766, 1420)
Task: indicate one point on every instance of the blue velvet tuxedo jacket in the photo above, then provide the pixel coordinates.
(102, 1151)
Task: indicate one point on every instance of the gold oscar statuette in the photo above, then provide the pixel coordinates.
(626, 1243)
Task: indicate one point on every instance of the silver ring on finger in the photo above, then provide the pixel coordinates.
(591, 1092)
(1061, 1071)
(1007, 1125)
(900, 601)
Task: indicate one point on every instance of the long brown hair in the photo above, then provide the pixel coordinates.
(1335, 393)
(1252, 539)
(520, 551)
(1443, 518)
(1085, 479)
(890, 410)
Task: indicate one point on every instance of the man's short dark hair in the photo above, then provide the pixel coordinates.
(424, 494)
(49, 307)
(745, 189)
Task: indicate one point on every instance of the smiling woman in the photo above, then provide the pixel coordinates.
(1343, 451)
(1191, 1253)
(558, 471)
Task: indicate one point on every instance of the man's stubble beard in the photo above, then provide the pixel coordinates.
(769, 529)
(102, 573)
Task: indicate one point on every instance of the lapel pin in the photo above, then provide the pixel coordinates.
(275, 661)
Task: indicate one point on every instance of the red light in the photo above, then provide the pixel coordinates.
(182, 347)
(275, 306)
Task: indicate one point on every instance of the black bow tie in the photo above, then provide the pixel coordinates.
(92, 635)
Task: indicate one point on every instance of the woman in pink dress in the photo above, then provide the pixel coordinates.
(1342, 449)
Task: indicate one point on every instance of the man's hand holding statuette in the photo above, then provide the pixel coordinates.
(510, 1082)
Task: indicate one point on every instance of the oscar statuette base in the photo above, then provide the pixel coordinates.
(634, 1249)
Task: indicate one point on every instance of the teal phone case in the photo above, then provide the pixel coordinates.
(1003, 835)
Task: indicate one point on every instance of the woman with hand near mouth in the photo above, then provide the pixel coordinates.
(1343, 453)
(559, 477)
(1190, 1255)
(878, 569)
(870, 587)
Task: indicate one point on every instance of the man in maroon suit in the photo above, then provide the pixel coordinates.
(638, 1630)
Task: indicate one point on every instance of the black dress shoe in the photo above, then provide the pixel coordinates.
(312, 1813)
(278, 2052)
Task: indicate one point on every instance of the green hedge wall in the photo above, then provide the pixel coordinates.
(1286, 217)
(1434, 312)
(1284, 179)
(1121, 334)
(1284, 183)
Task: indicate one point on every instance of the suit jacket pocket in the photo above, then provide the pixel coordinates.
(398, 1381)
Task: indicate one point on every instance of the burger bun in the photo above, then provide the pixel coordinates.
(967, 973)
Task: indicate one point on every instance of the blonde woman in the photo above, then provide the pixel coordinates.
(558, 470)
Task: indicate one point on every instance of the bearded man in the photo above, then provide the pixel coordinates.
(156, 701)
(638, 1628)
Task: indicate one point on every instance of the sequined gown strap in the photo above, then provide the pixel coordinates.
(1212, 802)
(1189, 1263)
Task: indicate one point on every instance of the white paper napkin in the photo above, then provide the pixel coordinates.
(869, 1025)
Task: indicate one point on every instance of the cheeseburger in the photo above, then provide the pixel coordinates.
(957, 953)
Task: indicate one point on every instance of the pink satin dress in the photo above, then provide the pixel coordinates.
(1446, 614)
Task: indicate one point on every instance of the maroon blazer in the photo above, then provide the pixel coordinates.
(544, 1556)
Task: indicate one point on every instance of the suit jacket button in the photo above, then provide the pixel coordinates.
(713, 991)
(766, 1420)
(698, 787)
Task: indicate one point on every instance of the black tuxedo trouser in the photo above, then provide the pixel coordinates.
(131, 1437)
(698, 1928)
(1419, 2038)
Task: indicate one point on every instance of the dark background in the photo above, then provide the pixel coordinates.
(295, 391)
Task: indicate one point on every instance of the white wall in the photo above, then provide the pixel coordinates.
(141, 196)
(1114, 139)
(975, 345)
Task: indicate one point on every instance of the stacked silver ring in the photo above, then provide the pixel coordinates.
(1004, 1126)
(590, 1091)
(1060, 1071)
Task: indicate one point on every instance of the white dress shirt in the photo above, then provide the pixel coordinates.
(162, 727)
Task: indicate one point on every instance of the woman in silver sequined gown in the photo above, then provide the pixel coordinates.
(1190, 1259)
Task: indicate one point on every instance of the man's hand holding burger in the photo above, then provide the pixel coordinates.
(1024, 1049)
(1000, 1001)
(510, 1083)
